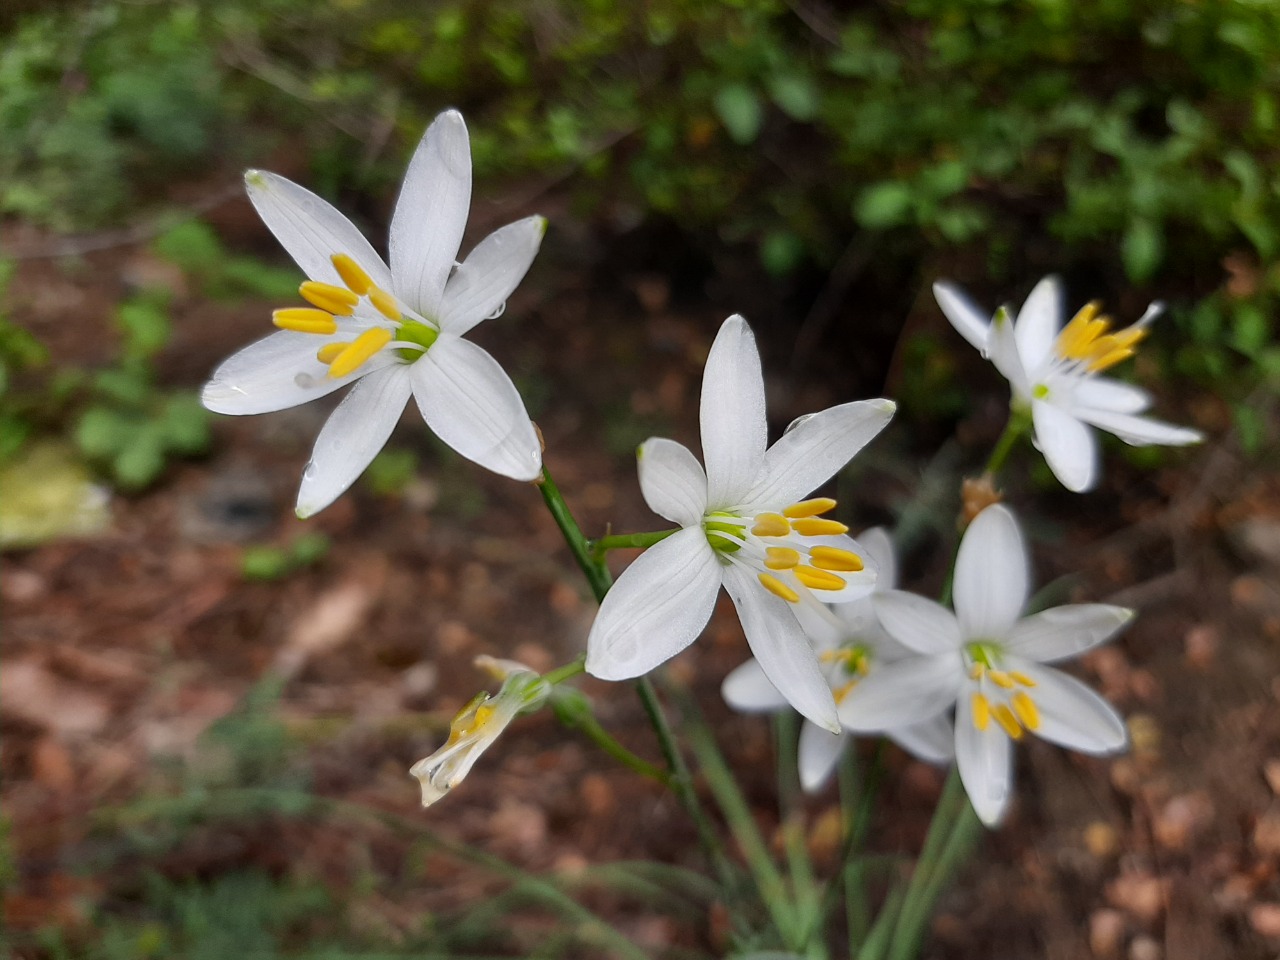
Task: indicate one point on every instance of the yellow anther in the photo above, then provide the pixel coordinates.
(809, 508)
(1026, 710)
(1008, 722)
(781, 558)
(817, 527)
(771, 525)
(816, 579)
(330, 351)
(1001, 679)
(360, 350)
(304, 320)
(833, 558)
(352, 274)
(976, 671)
(778, 588)
(831, 656)
(1022, 678)
(326, 296)
(844, 690)
(384, 303)
(981, 711)
(1085, 327)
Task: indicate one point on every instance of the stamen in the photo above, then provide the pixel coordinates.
(1026, 709)
(771, 525)
(330, 351)
(326, 296)
(1001, 679)
(384, 303)
(981, 712)
(833, 558)
(816, 579)
(976, 671)
(817, 527)
(1022, 678)
(809, 508)
(778, 588)
(781, 558)
(352, 274)
(843, 690)
(1008, 722)
(304, 320)
(360, 350)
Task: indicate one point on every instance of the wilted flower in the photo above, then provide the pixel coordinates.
(988, 660)
(1057, 374)
(746, 528)
(397, 330)
(851, 644)
(478, 725)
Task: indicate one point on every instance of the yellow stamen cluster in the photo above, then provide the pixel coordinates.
(826, 563)
(1087, 339)
(328, 302)
(470, 718)
(1014, 717)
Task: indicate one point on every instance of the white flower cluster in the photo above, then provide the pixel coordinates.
(842, 647)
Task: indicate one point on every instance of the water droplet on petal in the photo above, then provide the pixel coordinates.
(304, 381)
(309, 471)
(497, 313)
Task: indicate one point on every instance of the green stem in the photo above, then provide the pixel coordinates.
(786, 733)
(601, 737)
(624, 541)
(1019, 423)
(596, 572)
(571, 669)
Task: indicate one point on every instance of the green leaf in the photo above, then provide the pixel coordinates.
(141, 461)
(184, 424)
(885, 204)
(101, 432)
(795, 95)
(144, 321)
(1142, 249)
(740, 112)
(781, 252)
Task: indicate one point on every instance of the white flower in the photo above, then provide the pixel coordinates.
(478, 725)
(397, 330)
(851, 645)
(1056, 373)
(989, 661)
(744, 528)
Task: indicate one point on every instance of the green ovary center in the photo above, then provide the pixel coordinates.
(417, 335)
(716, 531)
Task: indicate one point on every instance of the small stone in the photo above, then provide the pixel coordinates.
(1106, 932)
(22, 586)
(1144, 735)
(1266, 833)
(1271, 771)
(1145, 948)
(1140, 894)
(1125, 776)
(1181, 818)
(1201, 644)
(51, 765)
(1236, 893)
(1101, 840)
(597, 796)
(1265, 919)
(1144, 686)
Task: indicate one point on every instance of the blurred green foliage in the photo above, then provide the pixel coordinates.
(1136, 139)
(267, 562)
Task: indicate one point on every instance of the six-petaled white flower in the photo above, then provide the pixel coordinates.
(478, 725)
(989, 661)
(1056, 373)
(744, 527)
(851, 644)
(396, 329)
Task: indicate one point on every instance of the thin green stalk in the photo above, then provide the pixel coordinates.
(873, 948)
(597, 734)
(596, 572)
(857, 802)
(791, 815)
(571, 669)
(1019, 423)
(624, 541)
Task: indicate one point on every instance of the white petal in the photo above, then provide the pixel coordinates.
(1062, 632)
(1072, 715)
(746, 688)
(672, 481)
(311, 229)
(877, 544)
(901, 694)
(658, 607)
(472, 405)
(1103, 393)
(781, 647)
(1002, 345)
(933, 741)
(431, 213)
(490, 273)
(1139, 431)
(917, 622)
(734, 431)
(352, 437)
(819, 750)
(1038, 322)
(813, 449)
(969, 321)
(993, 575)
(985, 759)
(1069, 447)
(275, 373)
